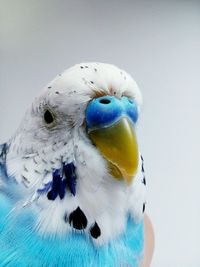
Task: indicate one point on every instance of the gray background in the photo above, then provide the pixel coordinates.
(158, 42)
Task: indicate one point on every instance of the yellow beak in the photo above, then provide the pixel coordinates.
(117, 143)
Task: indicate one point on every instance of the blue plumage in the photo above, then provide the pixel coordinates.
(21, 245)
(58, 203)
(63, 179)
(58, 186)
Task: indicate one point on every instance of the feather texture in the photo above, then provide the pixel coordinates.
(21, 245)
(59, 204)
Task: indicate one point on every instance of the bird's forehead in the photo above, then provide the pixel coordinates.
(90, 80)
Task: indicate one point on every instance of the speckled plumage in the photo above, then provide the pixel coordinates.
(38, 223)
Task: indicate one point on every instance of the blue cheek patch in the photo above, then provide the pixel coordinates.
(58, 186)
(69, 171)
(106, 110)
(63, 179)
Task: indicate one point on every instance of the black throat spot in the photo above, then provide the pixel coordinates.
(78, 219)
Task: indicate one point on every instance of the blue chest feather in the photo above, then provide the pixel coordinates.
(22, 246)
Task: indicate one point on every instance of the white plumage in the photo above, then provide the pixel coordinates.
(35, 151)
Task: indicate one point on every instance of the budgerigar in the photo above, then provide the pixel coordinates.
(72, 183)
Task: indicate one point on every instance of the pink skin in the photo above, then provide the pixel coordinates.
(149, 242)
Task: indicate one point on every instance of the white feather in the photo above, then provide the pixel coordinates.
(36, 151)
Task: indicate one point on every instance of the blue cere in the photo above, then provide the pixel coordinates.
(130, 108)
(106, 110)
(103, 111)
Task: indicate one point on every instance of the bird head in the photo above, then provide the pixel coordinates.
(82, 124)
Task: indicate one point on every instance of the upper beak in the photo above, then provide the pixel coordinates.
(117, 143)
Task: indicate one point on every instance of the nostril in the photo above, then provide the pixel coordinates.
(104, 101)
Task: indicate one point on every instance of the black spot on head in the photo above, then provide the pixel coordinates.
(26, 170)
(78, 219)
(25, 179)
(45, 162)
(57, 92)
(92, 82)
(35, 161)
(49, 87)
(95, 231)
(86, 67)
(81, 67)
(143, 208)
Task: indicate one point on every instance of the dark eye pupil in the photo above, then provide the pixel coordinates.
(48, 117)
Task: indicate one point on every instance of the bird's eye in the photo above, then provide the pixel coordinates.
(49, 117)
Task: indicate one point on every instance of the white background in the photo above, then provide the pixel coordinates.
(158, 42)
